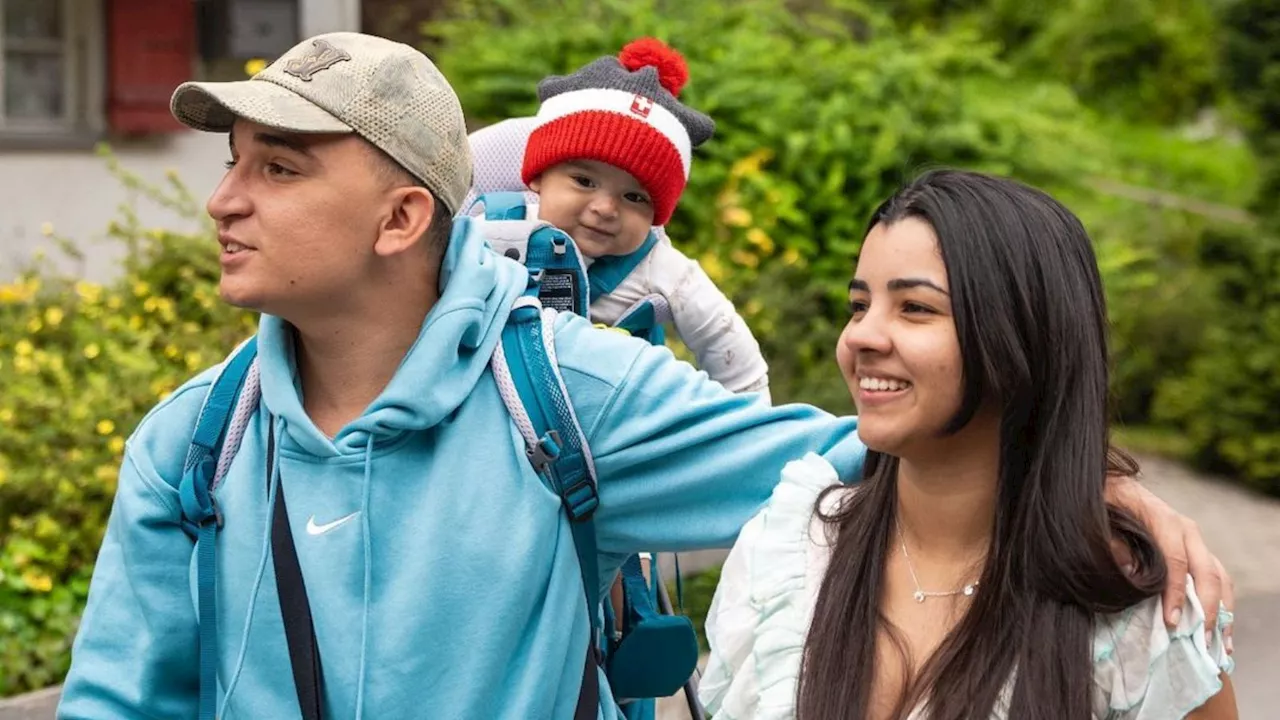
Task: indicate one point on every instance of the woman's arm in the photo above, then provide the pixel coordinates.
(1219, 707)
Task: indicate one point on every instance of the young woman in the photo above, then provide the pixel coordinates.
(971, 574)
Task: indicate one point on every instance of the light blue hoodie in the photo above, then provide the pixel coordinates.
(453, 591)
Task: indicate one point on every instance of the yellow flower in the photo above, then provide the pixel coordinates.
(711, 264)
(141, 288)
(106, 427)
(46, 527)
(24, 365)
(791, 256)
(53, 316)
(46, 229)
(171, 351)
(89, 292)
(114, 302)
(135, 322)
(744, 258)
(23, 348)
(92, 351)
(193, 360)
(150, 304)
(4, 476)
(254, 66)
(751, 164)
(760, 239)
(104, 473)
(116, 444)
(6, 415)
(34, 325)
(37, 581)
(20, 291)
(736, 217)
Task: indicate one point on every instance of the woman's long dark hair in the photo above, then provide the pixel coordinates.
(1031, 321)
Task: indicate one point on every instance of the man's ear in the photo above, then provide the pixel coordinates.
(412, 208)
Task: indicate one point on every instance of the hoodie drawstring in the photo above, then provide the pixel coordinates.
(273, 482)
(368, 574)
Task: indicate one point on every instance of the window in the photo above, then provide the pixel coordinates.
(37, 66)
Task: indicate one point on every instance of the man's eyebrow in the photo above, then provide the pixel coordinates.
(283, 141)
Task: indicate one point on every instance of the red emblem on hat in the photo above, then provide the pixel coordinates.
(641, 106)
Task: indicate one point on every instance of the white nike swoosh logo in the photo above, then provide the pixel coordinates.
(314, 529)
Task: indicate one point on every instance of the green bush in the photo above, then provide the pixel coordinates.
(80, 363)
(1227, 401)
(1147, 60)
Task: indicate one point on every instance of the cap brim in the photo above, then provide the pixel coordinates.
(215, 106)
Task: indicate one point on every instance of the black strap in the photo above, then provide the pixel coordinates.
(589, 696)
(299, 630)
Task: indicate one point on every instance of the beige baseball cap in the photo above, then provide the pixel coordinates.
(386, 92)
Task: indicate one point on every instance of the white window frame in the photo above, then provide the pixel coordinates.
(83, 77)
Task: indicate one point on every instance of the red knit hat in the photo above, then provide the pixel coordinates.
(622, 111)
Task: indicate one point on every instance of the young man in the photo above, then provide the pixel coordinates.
(442, 576)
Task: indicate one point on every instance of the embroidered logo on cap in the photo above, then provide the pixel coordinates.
(641, 106)
(323, 57)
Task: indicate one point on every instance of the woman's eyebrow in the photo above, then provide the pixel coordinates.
(899, 284)
(908, 283)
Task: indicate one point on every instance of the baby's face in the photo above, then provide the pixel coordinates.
(603, 208)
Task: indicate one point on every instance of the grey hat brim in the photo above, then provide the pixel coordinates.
(215, 106)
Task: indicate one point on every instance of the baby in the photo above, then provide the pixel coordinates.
(608, 156)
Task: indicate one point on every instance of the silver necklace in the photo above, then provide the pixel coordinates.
(921, 595)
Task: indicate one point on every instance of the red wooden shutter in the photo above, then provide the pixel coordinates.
(150, 51)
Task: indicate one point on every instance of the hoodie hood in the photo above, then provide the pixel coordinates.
(477, 289)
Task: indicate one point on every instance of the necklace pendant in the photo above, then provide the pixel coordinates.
(918, 595)
(968, 589)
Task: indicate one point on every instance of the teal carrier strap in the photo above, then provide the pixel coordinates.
(648, 651)
(201, 518)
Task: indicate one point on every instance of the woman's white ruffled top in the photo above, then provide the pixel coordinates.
(764, 604)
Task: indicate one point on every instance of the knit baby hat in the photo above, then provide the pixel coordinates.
(622, 111)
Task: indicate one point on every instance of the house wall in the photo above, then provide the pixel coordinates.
(71, 188)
